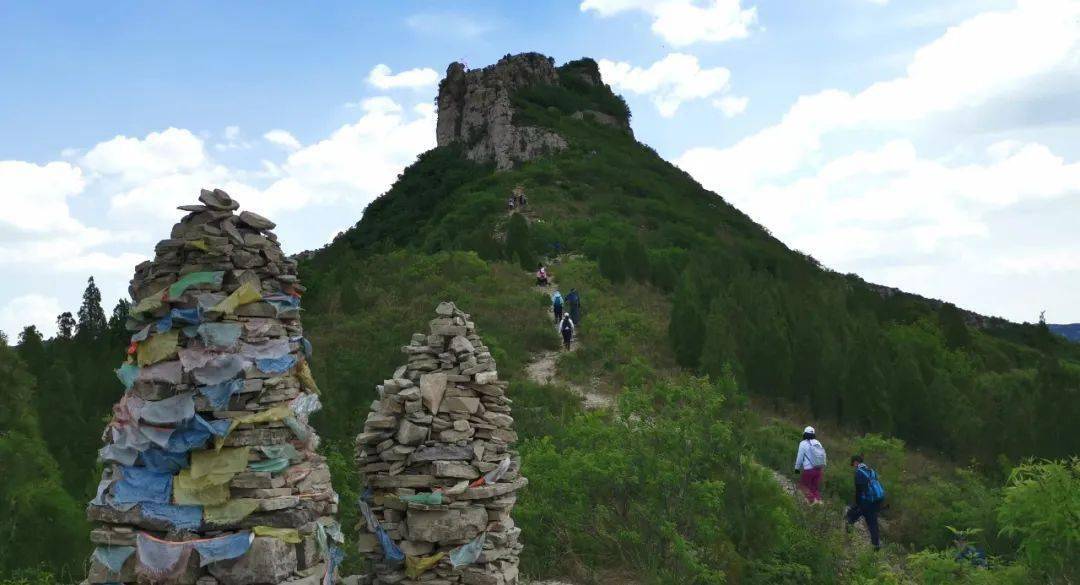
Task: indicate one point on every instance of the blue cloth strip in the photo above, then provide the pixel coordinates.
(138, 484)
(219, 394)
(276, 365)
(179, 517)
(223, 548)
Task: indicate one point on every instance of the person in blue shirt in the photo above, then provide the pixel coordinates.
(865, 506)
(557, 306)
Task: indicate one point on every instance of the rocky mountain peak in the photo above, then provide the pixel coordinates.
(475, 110)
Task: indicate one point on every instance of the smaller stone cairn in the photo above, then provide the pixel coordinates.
(210, 471)
(439, 476)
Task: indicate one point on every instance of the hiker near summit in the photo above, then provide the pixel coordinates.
(869, 494)
(810, 465)
(573, 301)
(542, 278)
(566, 328)
(557, 305)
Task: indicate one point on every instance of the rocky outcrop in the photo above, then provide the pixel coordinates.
(439, 475)
(475, 111)
(211, 475)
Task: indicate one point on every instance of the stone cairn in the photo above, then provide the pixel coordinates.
(211, 475)
(439, 475)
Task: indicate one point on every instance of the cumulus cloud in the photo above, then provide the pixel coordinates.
(685, 22)
(32, 309)
(842, 174)
(358, 161)
(134, 160)
(382, 77)
(282, 138)
(669, 82)
(731, 105)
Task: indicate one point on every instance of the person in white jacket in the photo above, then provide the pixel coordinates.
(810, 465)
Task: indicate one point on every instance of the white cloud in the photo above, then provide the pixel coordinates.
(283, 139)
(233, 140)
(985, 56)
(358, 161)
(670, 82)
(731, 105)
(31, 309)
(136, 160)
(843, 177)
(684, 22)
(382, 77)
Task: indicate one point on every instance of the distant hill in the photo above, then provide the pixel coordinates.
(1070, 331)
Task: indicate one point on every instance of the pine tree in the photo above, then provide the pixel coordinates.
(687, 327)
(118, 320)
(636, 259)
(518, 244)
(611, 263)
(952, 324)
(65, 325)
(92, 323)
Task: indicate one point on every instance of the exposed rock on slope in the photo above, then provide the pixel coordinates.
(475, 110)
(211, 474)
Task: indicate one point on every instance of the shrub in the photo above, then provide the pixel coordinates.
(1042, 508)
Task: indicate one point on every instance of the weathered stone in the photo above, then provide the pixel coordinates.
(411, 434)
(454, 469)
(460, 404)
(446, 525)
(256, 221)
(432, 388)
(442, 453)
(269, 560)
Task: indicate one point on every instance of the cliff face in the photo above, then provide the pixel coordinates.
(475, 111)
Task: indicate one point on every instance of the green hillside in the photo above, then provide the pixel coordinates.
(717, 341)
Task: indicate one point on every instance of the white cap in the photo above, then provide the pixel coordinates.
(809, 430)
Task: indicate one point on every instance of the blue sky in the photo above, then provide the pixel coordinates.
(926, 145)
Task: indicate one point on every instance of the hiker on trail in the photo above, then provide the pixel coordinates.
(810, 465)
(868, 497)
(542, 276)
(566, 327)
(510, 203)
(966, 552)
(573, 301)
(556, 306)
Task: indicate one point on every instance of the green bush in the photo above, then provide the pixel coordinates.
(1042, 509)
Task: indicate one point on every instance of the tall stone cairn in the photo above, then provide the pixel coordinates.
(210, 470)
(435, 458)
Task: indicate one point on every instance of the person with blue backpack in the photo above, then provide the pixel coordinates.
(869, 494)
(557, 306)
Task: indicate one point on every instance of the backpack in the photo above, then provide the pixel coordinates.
(875, 492)
(817, 454)
(567, 326)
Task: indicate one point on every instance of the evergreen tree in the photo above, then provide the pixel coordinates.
(952, 324)
(118, 319)
(92, 323)
(687, 327)
(518, 243)
(636, 259)
(611, 263)
(65, 325)
(40, 524)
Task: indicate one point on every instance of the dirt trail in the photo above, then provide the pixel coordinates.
(543, 369)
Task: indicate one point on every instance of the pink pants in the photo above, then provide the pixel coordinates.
(810, 484)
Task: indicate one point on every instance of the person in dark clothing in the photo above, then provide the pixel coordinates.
(573, 303)
(865, 506)
(566, 328)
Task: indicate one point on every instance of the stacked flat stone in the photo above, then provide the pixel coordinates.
(441, 426)
(283, 493)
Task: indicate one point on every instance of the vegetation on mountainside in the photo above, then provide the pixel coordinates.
(688, 307)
